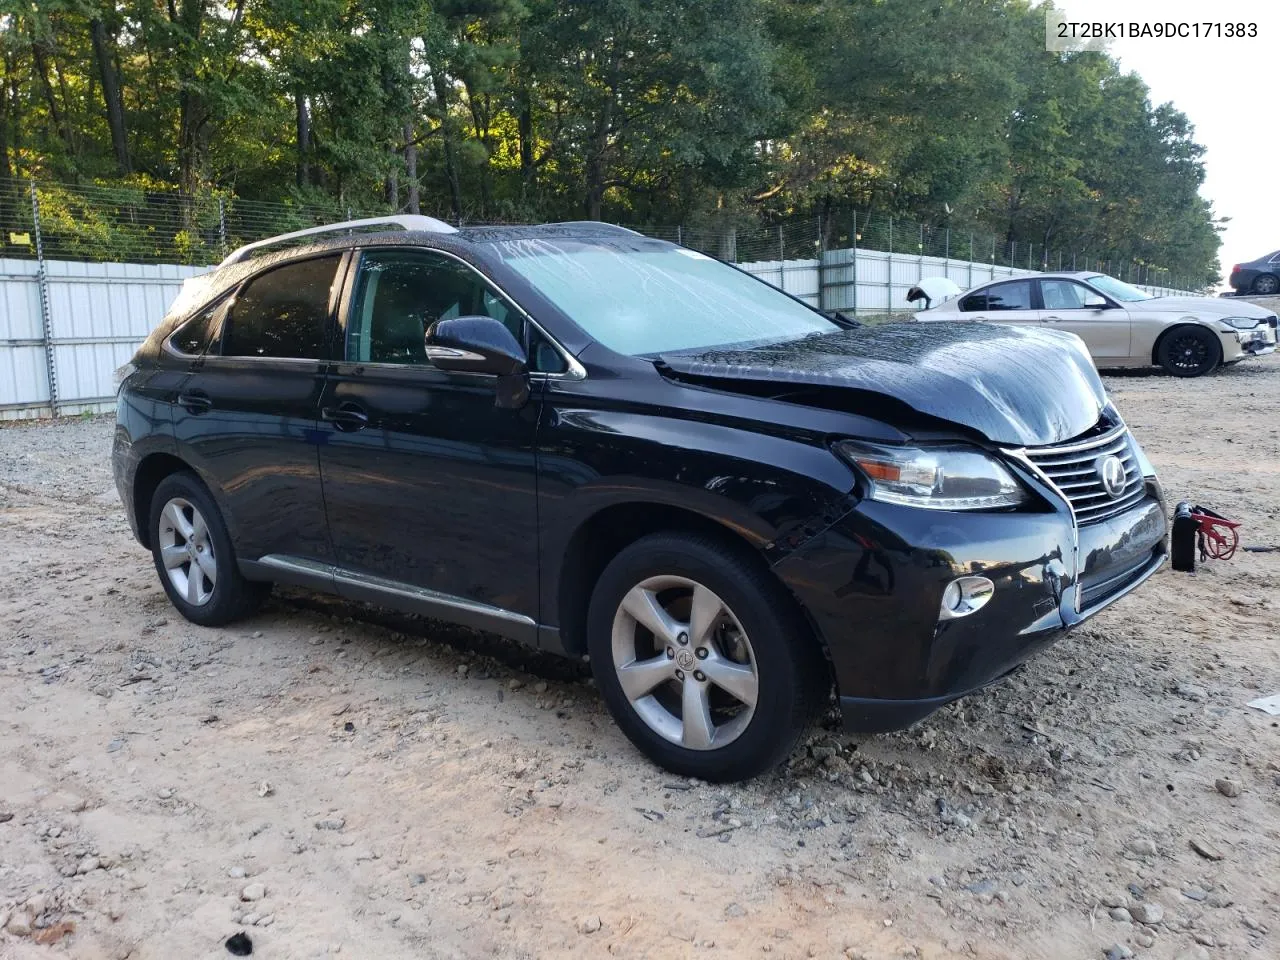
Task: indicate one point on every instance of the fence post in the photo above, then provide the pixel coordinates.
(888, 284)
(970, 284)
(946, 250)
(855, 263)
(679, 235)
(46, 310)
(782, 261)
(222, 224)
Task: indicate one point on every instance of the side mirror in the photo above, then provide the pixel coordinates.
(1096, 301)
(475, 345)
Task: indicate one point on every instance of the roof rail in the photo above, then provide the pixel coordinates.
(403, 221)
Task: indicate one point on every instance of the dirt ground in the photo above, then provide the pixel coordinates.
(330, 780)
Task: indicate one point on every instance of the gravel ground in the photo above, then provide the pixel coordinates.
(330, 779)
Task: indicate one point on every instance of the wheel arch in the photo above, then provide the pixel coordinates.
(151, 470)
(604, 534)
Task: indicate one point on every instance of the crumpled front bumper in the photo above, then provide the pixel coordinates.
(872, 586)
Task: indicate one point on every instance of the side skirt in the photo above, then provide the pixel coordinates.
(404, 597)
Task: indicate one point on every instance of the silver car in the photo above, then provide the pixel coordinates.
(1121, 325)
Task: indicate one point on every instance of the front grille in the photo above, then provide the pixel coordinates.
(1073, 469)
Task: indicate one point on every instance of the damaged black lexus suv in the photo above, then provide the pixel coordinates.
(611, 447)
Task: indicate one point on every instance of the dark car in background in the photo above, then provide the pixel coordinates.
(1261, 276)
(612, 447)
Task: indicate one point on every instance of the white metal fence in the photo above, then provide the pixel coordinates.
(65, 326)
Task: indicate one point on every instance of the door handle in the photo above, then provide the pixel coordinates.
(195, 402)
(345, 416)
(1053, 319)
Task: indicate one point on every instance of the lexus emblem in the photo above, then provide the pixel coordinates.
(1111, 473)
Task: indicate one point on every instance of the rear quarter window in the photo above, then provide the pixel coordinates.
(283, 313)
(973, 303)
(193, 337)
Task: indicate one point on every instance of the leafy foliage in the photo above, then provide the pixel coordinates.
(656, 111)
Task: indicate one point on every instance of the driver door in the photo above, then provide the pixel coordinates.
(429, 486)
(1071, 306)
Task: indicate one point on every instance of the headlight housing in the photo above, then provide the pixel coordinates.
(1241, 323)
(936, 478)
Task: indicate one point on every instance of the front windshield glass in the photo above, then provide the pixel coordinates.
(641, 297)
(1118, 289)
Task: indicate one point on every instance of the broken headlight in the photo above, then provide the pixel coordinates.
(936, 478)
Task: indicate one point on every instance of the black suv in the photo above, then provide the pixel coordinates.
(613, 447)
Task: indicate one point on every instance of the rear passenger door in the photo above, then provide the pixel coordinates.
(1009, 302)
(246, 416)
(1104, 327)
(430, 486)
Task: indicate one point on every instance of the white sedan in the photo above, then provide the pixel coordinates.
(1122, 325)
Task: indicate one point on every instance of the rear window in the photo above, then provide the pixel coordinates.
(283, 313)
(1010, 296)
(973, 303)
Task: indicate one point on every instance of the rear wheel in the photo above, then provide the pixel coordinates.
(193, 555)
(701, 657)
(1189, 351)
(1266, 284)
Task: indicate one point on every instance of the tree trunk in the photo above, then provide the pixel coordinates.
(192, 113)
(446, 134)
(524, 131)
(42, 71)
(391, 184)
(597, 164)
(111, 96)
(412, 202)
(304, 139)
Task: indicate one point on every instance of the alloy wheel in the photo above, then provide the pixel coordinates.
(1266, 284)
(1189, 352)
(186, 550)
(684, 662)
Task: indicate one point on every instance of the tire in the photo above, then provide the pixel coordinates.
(193, 555)
(753, 636)
(1266, 284)
(1189, 351)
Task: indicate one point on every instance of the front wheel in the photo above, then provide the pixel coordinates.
(1189, 351)
(701, 657)
(194, 557)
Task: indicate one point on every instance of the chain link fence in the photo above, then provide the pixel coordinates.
(127, 224)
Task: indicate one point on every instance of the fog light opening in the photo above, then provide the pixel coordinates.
(965, 595)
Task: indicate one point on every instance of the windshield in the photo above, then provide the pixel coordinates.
(639, 296)
(1118, 289)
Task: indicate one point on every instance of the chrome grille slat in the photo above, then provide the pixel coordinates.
(1071, 468)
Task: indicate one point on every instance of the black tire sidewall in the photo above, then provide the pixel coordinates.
(230, 599)
(781, 651)
(1208, 336)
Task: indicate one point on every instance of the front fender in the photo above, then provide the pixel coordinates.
(774, 490)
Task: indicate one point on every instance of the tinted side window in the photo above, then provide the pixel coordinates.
(973, 303)
(399, 293)
(283, 312)
(1010, 296)
(194, 336)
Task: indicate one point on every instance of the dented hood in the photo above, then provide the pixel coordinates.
(1014, 385)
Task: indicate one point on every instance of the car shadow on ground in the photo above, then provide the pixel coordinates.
(508, 653)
